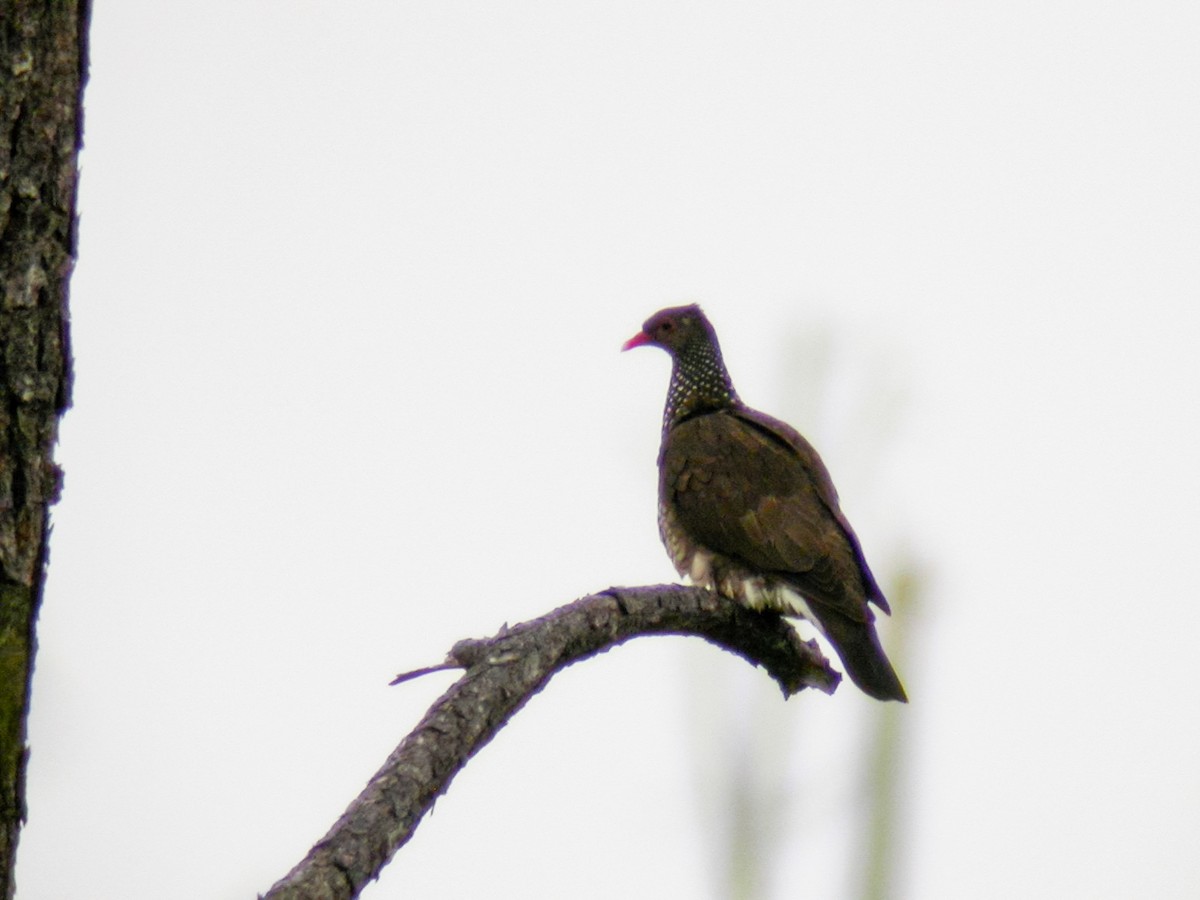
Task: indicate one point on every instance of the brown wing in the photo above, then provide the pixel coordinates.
(825, 489)
(748, 489)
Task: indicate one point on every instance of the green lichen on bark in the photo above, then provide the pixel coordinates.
(15, 655)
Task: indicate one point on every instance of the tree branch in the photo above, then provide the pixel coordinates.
(502, 673)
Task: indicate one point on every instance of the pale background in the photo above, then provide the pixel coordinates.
(351, 285)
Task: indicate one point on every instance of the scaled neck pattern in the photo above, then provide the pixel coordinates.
(699, 383)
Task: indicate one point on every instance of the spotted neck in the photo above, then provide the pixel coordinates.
(699, 383)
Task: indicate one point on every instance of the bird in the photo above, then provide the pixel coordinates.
(746, 507)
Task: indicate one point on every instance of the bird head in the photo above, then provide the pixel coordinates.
(674, 329)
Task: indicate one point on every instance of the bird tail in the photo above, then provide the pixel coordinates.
(858, 646)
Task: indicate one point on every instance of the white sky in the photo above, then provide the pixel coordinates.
(352, 281)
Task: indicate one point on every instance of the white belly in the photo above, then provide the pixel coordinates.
(706, 569)
(754, 591)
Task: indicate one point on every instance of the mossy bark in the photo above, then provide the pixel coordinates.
(42, 72)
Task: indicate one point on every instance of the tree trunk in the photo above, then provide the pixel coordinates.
(42, 72)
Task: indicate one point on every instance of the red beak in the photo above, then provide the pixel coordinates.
(636, 341)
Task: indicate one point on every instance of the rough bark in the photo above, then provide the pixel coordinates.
(502, 673)
(42, 72)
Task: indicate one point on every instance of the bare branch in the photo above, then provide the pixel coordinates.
(502, 673)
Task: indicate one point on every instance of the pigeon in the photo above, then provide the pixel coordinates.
(746, 507)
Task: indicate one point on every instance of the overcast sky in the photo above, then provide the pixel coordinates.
(352, 282)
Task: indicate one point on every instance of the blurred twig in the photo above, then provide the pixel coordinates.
(878, 861)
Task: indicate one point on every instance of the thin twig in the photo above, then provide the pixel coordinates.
(428, 670)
